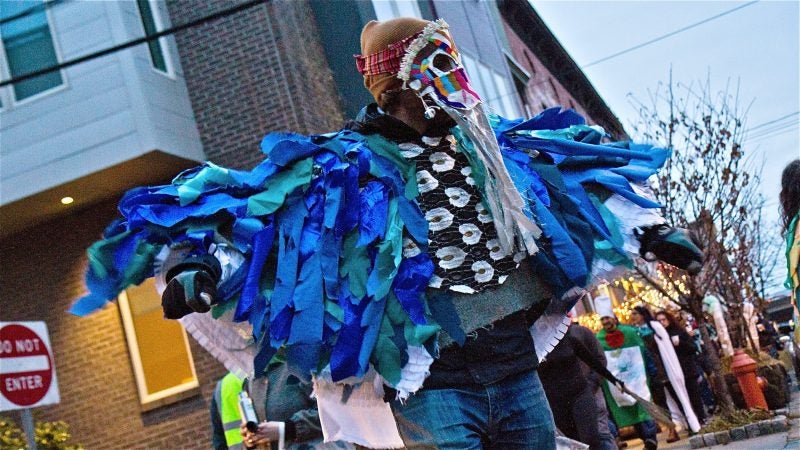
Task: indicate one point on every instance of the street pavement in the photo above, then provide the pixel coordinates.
(777, 441)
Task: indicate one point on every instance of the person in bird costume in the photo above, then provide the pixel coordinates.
(427, 253)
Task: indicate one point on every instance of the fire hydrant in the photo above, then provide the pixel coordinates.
(744, 368)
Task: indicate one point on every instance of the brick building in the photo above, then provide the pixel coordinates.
(139, 116)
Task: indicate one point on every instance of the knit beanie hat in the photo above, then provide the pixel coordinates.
(383, 45)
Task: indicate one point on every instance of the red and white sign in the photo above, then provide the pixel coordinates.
(27, 373)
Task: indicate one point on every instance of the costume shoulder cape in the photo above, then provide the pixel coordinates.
(320, 223)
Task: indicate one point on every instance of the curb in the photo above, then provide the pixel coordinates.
(778, 424)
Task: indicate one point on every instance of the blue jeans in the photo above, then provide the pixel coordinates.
(647, 432)
(510, 414)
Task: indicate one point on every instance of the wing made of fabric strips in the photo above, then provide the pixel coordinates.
(588, 197)
(320, 225)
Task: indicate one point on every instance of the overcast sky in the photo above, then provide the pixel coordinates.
(756, 45)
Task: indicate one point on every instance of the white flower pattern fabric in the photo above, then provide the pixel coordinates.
(410, 248)
(410, 150)
(470, 233)
(457, 196)
(442, 162)
(438, 219)
(467, 172)
(483, 271)
(426, 182)
(462, 238)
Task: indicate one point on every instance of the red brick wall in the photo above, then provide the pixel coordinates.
(543, 89)
(42, 272)
(256, 71)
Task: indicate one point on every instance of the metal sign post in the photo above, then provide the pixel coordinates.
(30, 430)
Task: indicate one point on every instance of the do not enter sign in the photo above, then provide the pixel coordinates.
(27, 375)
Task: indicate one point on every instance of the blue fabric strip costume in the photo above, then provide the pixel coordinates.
(321, 223)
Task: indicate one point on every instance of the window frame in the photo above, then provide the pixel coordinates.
(163, 42)
(7, 94)
(164, 397)
(498, 101)
(393, 5)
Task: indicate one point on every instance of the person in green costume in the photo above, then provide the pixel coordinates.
(626, 357)
(790, 212)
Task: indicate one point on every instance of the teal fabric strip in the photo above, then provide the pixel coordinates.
(278, 187)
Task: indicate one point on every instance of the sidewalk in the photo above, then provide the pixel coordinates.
(793, 436)
(777, 441)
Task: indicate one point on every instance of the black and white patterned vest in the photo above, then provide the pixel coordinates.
(463, 242)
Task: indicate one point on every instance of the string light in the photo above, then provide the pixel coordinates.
(637, 292)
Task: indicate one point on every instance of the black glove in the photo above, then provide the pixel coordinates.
(674, 246)
(191, 287)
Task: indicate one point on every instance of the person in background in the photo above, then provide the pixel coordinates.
(626, 357)
(767, 337)
(669, 375)
(701, 359)
(225, 416)
(790, 212)
(281, 398)
(656, 373)
(570, 385)
(685, 350)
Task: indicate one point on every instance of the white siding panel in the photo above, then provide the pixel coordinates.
(132, 19)
(73, 14)
(79, 114)
(112, 109)
(172, 95)
(70, 144)
(105, 76)
(86, 38)
(90, 66)
(177, 134)
(69, 168)
(172, 122)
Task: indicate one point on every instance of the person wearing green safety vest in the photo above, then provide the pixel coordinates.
(225, 416)
(278, 398)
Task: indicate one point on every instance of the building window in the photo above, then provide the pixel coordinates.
(148, 11)
(390, 9)
(531, 65)
(554, 90)
(520, 78)
(28, 46)
(159, 348)
(495, 91)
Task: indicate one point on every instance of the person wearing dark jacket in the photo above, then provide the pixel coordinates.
(570, 385)
(685, 350)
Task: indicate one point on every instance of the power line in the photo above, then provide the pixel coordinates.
(773, 121)
(643, 44)
(772, 129)
(768, 136)
(670, 34)
(135, 42)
